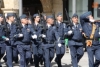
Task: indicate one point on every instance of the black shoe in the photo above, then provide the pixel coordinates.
(32, 63)
(41, 62)
(5, 59)
(0, 66)
(16, 62)
(56, 61)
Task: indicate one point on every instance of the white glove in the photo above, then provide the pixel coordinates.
(91, 20)
(20, 35)
(99, 33)
(34, 36)
(70, 32)
(7, 39)
(59, 45)
(43, 35)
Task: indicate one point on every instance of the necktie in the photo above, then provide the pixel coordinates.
(25, 26)
(76, 26)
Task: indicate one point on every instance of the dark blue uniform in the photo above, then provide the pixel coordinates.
(23, 43)
(48, 45)
(2, 42)
(75, 43)
(93, 50)
(61, 30)
(11, 30)
(36, 44)
(23, 46)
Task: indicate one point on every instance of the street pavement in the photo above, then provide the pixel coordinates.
(66, 61)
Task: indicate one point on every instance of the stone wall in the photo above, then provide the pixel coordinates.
(10, 6)
(52, 6)
(49, 6)
(58, 6)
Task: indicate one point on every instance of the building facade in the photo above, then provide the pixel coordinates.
(30, 7)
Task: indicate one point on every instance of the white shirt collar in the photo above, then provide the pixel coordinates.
(48, 25)
(23, 25)
(36, 23)
(9, 23)
(74, 24)
(0, 23)
(59, 22)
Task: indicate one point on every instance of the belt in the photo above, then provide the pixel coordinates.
(77, 40)
(26, 43)
(48, 42)
(94, 39)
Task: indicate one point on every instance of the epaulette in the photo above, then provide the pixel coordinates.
(40, 25)
(2, 26)
(64, 25)
(54, 27)
(13, 23)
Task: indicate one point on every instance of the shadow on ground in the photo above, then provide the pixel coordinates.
(53, 65)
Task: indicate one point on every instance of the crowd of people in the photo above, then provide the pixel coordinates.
(37, 39)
